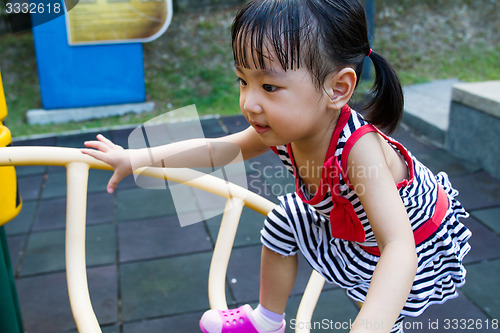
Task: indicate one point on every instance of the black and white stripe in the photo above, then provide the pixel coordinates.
(295, 225)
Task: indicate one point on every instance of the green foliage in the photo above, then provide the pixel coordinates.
(192, 62)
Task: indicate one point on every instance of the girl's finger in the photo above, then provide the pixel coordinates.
(113, 182)
(105, 140)
(97, 145)
(95, 154)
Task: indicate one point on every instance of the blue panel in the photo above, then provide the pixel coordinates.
(81, 76)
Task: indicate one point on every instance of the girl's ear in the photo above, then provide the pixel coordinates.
(341, 87)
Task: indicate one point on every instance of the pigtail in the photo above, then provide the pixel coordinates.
(385, 107)
(323, 36)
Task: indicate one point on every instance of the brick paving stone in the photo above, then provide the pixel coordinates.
(160, 237)
(55, 185)
(180, 323)
(16, 249)
(489, 217)
(477, 190)
(45, 250)
(30, 170)
(30, 187)
(485, 245)
(51, 214)
(483, 285)
(164, 286)
(45, 305)
(23, 221)
(137, 203)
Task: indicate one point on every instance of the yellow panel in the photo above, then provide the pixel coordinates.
(5, 137)
(10, 200)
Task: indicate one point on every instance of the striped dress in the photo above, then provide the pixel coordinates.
(303, 223)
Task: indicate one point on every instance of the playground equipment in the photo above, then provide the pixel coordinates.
(10, 201)
(78, 165)
(10, 206)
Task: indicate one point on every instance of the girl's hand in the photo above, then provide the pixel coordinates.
(112, 154)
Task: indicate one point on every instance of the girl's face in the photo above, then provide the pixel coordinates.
(283, 106)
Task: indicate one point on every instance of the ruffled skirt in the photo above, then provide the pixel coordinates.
(295, 226)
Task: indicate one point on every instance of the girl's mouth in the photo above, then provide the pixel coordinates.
(261, 129)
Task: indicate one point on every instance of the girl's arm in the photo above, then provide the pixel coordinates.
(183, 154)
(369, 173)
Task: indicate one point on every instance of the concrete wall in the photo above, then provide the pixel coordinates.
(474, 124)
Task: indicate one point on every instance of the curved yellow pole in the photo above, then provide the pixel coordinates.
(63, 156)
(76, 269)
(222, 252)
(78, 165)
(308, 302)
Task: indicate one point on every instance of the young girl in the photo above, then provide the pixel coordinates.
(366, 214)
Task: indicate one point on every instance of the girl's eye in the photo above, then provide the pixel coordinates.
(241, 81)
(269, 88)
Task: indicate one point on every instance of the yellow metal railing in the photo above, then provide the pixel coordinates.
(78, 165)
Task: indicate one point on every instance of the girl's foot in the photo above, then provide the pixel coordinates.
(240, 320)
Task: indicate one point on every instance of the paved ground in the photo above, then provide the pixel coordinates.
(147, 274)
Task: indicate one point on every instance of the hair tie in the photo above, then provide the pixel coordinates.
(369, 52)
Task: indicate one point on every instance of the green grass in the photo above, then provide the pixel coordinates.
(470, 64)
(192, 62)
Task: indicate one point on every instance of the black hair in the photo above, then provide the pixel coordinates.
(323, 36)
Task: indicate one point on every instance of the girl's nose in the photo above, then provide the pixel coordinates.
(250, 102)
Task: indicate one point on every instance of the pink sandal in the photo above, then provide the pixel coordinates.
(238, 320)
